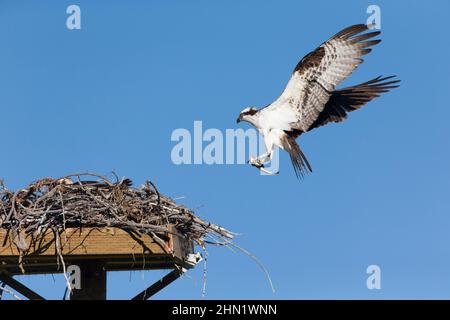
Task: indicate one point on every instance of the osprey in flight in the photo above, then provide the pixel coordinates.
(310, 99)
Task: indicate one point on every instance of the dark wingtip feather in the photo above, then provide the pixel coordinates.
(351, 31)
(369, 43)
(380, 81)
(356, 30)
(352, 98)
(365, 51)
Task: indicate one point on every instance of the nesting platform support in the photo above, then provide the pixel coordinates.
(94, 252)
(92, 281)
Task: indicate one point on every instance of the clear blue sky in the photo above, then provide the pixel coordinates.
(107, 98)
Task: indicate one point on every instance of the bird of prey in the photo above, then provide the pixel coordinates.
(310, 99)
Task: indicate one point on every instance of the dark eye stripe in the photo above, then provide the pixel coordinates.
(250, 112)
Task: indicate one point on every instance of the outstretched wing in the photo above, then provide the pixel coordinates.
(317, 74)
(352, 98)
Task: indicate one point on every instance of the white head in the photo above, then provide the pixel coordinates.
(248, 114)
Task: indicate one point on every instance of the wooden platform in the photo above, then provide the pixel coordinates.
(113, 248)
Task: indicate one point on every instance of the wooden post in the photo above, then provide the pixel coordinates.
(96, 251)
(93, 281)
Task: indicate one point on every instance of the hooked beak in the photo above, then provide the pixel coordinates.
(238, 119)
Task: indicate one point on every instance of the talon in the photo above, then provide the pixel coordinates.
(268, 172)
(255, 162)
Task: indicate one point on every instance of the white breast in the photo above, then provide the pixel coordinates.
(273, 138)
(277, 117)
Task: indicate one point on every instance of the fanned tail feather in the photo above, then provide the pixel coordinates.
(298, 159)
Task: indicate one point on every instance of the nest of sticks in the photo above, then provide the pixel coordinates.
(92, 200)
